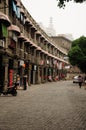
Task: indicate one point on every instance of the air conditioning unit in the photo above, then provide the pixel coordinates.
(1, 43)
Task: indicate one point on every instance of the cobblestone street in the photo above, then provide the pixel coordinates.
(51, 106)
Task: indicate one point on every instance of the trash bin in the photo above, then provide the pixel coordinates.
(25, 82)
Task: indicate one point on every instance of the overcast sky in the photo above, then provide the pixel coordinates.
(70, 20)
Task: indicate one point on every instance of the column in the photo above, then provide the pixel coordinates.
(6, 62)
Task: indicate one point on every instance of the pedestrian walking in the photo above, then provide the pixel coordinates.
(85, 81)
(80, 79)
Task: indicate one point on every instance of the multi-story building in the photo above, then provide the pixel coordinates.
(63, 42)
(25, 49)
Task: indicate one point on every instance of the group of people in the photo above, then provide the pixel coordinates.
(81, 80)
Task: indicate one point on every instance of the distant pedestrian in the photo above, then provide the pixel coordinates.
(80, 79)
(85, 81)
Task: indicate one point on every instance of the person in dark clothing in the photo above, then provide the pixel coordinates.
(80, 79)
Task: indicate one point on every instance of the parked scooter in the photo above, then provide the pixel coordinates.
(10, 90)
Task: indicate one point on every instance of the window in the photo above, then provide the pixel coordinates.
(10, 8)
(3, 31)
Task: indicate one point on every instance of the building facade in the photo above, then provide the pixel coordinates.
(63, 42)
(25, 49)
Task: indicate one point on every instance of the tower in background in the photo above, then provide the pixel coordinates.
(50, 29)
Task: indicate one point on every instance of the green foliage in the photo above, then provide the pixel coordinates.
(62, 3)
(81, 42)
(77, 54)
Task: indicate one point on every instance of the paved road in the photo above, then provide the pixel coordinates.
(51, 106)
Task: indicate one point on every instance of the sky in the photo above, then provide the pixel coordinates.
(71, 20)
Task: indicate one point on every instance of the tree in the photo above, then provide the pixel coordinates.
(61, 3)
(77, 54)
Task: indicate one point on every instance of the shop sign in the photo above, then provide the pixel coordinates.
(21, 62)
(48, 62)
(10, 77)
(1, 43)
(67, 67)
(35, 67)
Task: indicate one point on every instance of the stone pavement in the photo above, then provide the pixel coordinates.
(51, 106)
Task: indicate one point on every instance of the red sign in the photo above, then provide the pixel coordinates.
(10, 77)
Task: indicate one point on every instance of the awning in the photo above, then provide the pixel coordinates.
(38, 49)
(22, 11)
(34, 45)
(22, 37)
(27, 20)
(33, 27)
(38, 32)
(28, 41)
(4, 19)
(14, 28)
(18, 4)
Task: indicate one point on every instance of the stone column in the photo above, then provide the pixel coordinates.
(46, 74)
(29, 77)
(34, 73)
(6, 75)
(38, 75)
(42, 74)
